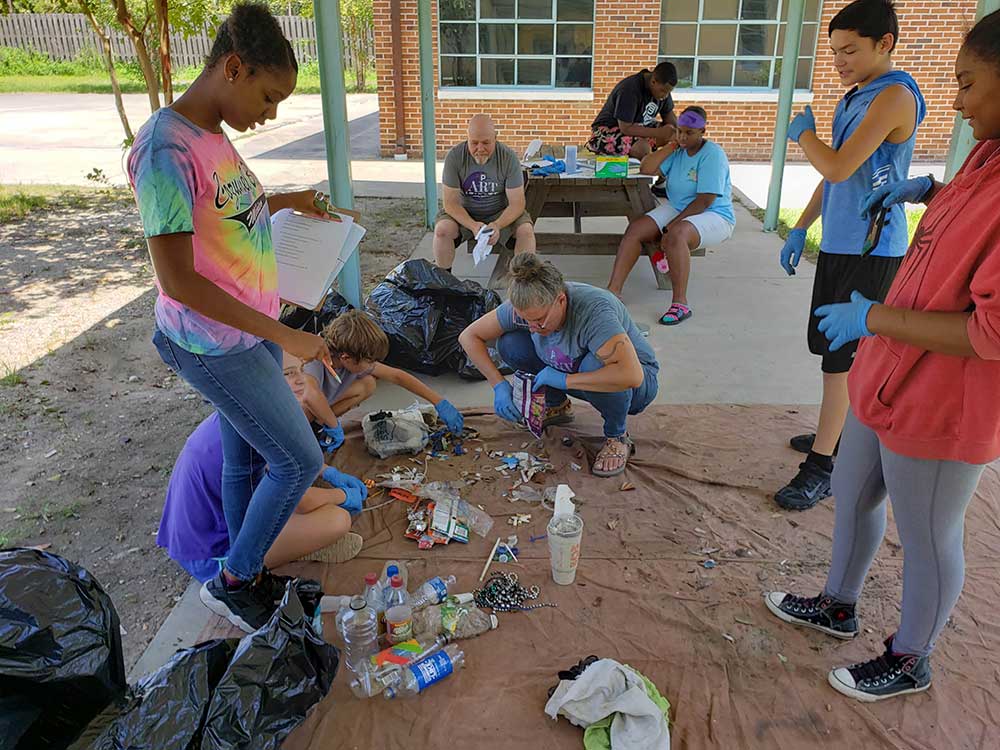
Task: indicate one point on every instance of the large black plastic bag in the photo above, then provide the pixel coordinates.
(226, 694)
(60, 650)
(314, 321)
(423, 309)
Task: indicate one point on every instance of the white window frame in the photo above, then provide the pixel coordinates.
(517, 21)
(777, 22)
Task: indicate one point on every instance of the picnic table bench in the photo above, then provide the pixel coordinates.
(577, 197)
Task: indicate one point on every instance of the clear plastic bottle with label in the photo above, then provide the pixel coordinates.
(359, 628)
(398, 613)
(387, 662)
(416, 678)
(431, 592)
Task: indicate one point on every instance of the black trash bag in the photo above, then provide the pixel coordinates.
(61, 657)
(423, 309)
(226, 694)
(314, 321)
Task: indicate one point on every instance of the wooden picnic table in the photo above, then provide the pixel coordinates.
(577, 197)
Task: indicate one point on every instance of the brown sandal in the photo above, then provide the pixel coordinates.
(611, 447)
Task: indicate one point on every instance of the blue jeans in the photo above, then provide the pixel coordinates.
(518, 350)
(266, 443)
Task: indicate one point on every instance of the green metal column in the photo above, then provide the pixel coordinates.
(330, 48)
(427, 109)
(961, 135)
(786, 88)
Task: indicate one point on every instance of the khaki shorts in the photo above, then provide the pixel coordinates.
(465, 234)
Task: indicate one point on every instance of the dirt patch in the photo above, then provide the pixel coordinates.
(90, 419)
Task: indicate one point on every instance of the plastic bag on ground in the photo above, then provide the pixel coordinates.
(423, 309)
(60, 650)
(314, 321)
(226, 694)
(391, 433)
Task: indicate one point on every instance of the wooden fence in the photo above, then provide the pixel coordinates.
(64, 36)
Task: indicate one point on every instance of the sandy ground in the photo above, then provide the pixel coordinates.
(90, 419)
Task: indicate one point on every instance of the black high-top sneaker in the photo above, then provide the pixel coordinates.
(885, 676)
(818, 612)
(248, 606)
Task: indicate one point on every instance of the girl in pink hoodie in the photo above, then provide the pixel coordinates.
(925, 414)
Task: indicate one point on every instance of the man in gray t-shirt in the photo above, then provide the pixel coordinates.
(483, 186)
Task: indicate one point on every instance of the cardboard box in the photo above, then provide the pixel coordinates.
(611, 166)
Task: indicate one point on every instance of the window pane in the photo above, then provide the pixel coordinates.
(573, 72)
(457, 10)
(496, 39)
(575, 10)
(715, 72)
(458, 71)
(685, 71)
(534, 72)
(722, 9)
(496, 72)
(756, 39)
(717, 39)
(679, 10)
(752, 73)
(496, 8)
(575, 39)
(807, 47)
(760, 10)
(458, 38)
(534, 38)
(803, 73)
(811, 12)
(678, 38)
(534, 8)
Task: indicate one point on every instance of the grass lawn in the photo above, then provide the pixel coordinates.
(16, 201)
(788, 216)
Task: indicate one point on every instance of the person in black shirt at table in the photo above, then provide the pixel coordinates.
(638, 115)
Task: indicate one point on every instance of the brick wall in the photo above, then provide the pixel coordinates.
(626, 38)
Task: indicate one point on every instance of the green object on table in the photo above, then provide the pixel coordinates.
(611, 166)
(598, 735)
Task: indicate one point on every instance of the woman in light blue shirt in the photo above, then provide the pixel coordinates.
(698, 211)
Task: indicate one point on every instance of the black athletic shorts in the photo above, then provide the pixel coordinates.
(836, 277)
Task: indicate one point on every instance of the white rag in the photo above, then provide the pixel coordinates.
(607, 687)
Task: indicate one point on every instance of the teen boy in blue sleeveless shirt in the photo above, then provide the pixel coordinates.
(874, 130)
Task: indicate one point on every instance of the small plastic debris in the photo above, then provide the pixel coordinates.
(783, 658)
(613, 524)
(626, 487)
(575, 466)
(729, 637)
(709, 564)
(519, 519)
(741, 621)
(699, 532)
(538, 538)
(51, 453)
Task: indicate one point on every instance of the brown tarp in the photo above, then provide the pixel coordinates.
(704, 478)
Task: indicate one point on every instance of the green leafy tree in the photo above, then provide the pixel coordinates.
(358, 22)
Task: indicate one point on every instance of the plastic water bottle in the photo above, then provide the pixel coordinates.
(416, 678)
(388, 662)
(359, 629)
(398, 613)
(433, 591)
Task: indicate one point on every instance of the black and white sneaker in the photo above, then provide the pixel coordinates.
(804, 443)
(272, 586)
(807, 488)
(818, 612)
(885, 676)
(248, 607)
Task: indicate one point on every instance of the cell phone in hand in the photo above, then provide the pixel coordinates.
(874, 231)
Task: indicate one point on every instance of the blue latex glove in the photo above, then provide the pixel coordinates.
(451, 417)
(333, 438)
(802, 122)
(791, 253)
(344, 482)
(554, 166)
(354, 502)
(846, 321)
(503, 402)
(904, 191)
(551, 378)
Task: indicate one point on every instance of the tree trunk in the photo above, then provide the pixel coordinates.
(139, 43)
(163, 21)
(10, 6)
(109, 60)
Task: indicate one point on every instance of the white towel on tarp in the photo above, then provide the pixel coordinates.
(607, 687)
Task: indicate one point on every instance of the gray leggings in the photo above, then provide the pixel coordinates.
(929, 499)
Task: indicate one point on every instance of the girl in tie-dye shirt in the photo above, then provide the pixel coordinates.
(207, 222)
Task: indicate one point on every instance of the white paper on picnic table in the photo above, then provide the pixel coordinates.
(310, 252)
(483, 246)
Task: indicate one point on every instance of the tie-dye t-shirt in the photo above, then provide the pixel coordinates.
(593, 316)
(189, 180)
